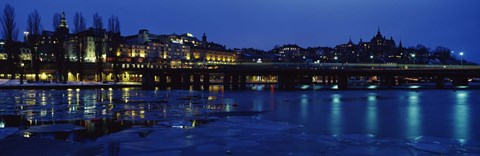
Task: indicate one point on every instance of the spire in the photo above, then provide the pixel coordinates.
(361, 40)
(63, 21)
(379, 35)
(350, 41)
(204, 38)
(400, 46)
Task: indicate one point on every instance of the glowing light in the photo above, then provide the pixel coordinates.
(461, 53)
(414, 87)
(27, 134)
(304, 86)
(372, 87)
(335, 87)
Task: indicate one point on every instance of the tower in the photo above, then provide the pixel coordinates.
(63, 29)
(63, 21)
(204, 39)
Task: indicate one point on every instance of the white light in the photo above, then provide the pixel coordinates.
(26, 32)
(461, 53)
(414, 87)
(304, 86)
(335, 58)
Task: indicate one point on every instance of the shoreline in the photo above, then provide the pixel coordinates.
(68, 86)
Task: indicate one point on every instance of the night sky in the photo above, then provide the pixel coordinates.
(265, 23)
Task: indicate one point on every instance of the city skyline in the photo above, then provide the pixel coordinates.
(247, 29)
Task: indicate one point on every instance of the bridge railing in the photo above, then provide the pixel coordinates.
(372, 66)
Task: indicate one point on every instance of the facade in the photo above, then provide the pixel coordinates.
(209, 52)
(93, 43)
(106, 56)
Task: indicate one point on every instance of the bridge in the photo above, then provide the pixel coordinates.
(288, 75)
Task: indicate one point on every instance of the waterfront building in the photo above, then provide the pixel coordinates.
(210, 52)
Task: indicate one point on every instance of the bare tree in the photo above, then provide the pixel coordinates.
(99, 34)
(114, 24)
(79, 22)
(34, 25)
(117, 25)
(80, 26)
(10, 30)
(56, 21)
(114, 44)
(10, 34)
(97, 21)
(34, 28)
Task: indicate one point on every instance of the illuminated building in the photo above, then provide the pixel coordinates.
(289, 53)
(210, 52)
(93, 42)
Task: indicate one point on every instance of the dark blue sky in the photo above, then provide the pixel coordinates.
(266, 23)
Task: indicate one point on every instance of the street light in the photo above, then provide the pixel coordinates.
(26, 35)
(461, 58)
(413, 56)
(21, 72)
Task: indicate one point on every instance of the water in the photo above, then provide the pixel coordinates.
(385, 113)
(129, 120)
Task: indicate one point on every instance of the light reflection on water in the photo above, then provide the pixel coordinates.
(386, 113)
(371, 120)
(461, 115)
(336, 115)
(413, 115)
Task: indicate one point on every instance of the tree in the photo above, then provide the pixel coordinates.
(80, 26)
(34, 27)
(114, 24)
(97, 21)
(60, 46)
(99, 34)
(114, 44)
(10, 34)
(56, 21)
(10, 30)
(79, 22)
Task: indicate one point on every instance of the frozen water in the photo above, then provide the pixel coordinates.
(5, 132)
(194, 123)
(54, 128)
